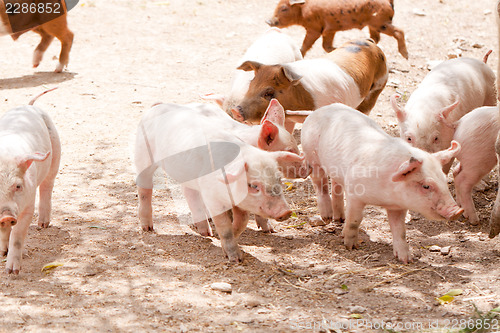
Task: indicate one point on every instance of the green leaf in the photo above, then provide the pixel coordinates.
(445, 299)
(356, 316)
(344, 287)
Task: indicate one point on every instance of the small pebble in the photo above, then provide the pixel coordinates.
(316, 221)
(222, 286)
(435, 248)
(445, 250)
(356, 309)
(419, 12)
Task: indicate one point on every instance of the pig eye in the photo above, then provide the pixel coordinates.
(436, 139)
(426, 187)
(269, 94)
(284, 9)
(408, 139)
(19, 187)
(253, 188)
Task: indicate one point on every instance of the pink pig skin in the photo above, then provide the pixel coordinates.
(30, 152)
(370, 167)
(476, 132)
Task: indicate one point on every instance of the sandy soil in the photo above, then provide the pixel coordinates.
(128, 55)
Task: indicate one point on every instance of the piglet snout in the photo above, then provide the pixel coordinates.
(284, 216)
(451, 213)
(237, 114)
(272, 22)
(7, 221)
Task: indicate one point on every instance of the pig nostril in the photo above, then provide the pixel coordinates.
(13, 222)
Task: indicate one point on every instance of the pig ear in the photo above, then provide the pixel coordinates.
(268, 133)
(297, 2)
(248, 66)
(291, 75)
(25, 162)
(274, 113)
(406, 169)
(232, 174)
(443, 116)
(445, 156)
(218, 98)
(400, 113)
(284, 156)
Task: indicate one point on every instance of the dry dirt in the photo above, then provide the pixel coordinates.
(128, 55)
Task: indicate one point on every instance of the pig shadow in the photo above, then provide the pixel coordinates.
(35, 80)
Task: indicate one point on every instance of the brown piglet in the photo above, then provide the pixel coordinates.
(325, 17)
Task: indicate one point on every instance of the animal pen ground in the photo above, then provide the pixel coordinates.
(128, 55)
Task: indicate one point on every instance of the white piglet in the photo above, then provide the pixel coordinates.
(217, 171)
(372, 168)
(30, 152)
(273, 47)
(476, 132)
(448, 92)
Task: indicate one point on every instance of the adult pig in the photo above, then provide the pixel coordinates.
(325, 18)
(218, 171)
(476, 132)
(30, 152)
(447, 93)
(273, 47)
(353, 74)
(372, 168)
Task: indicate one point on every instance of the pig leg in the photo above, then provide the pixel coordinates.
(320, 183)
(16, 242)
(328, 36)
(42, 47)
(4, 239)
(369, 102)
(495, 213)
(47, 185)
(198, 211)
(338, 202)
(145, 208)
(391, 30)
(224, 227)
(354, 216)
(374, 34)
(264, 224)
(240, 221)
(311, 37)
(59, 29)
(400, 246)
(464, 183)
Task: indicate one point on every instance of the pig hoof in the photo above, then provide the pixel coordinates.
(329, 49)
(43, 224)
(327, 219)
(147, 228)
(59, 68)
(474, 222)
(340, 220)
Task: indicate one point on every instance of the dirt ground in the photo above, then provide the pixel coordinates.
(128, 55)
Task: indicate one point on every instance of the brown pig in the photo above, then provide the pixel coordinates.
(354, 74)
(325, 17)
(47, 18)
